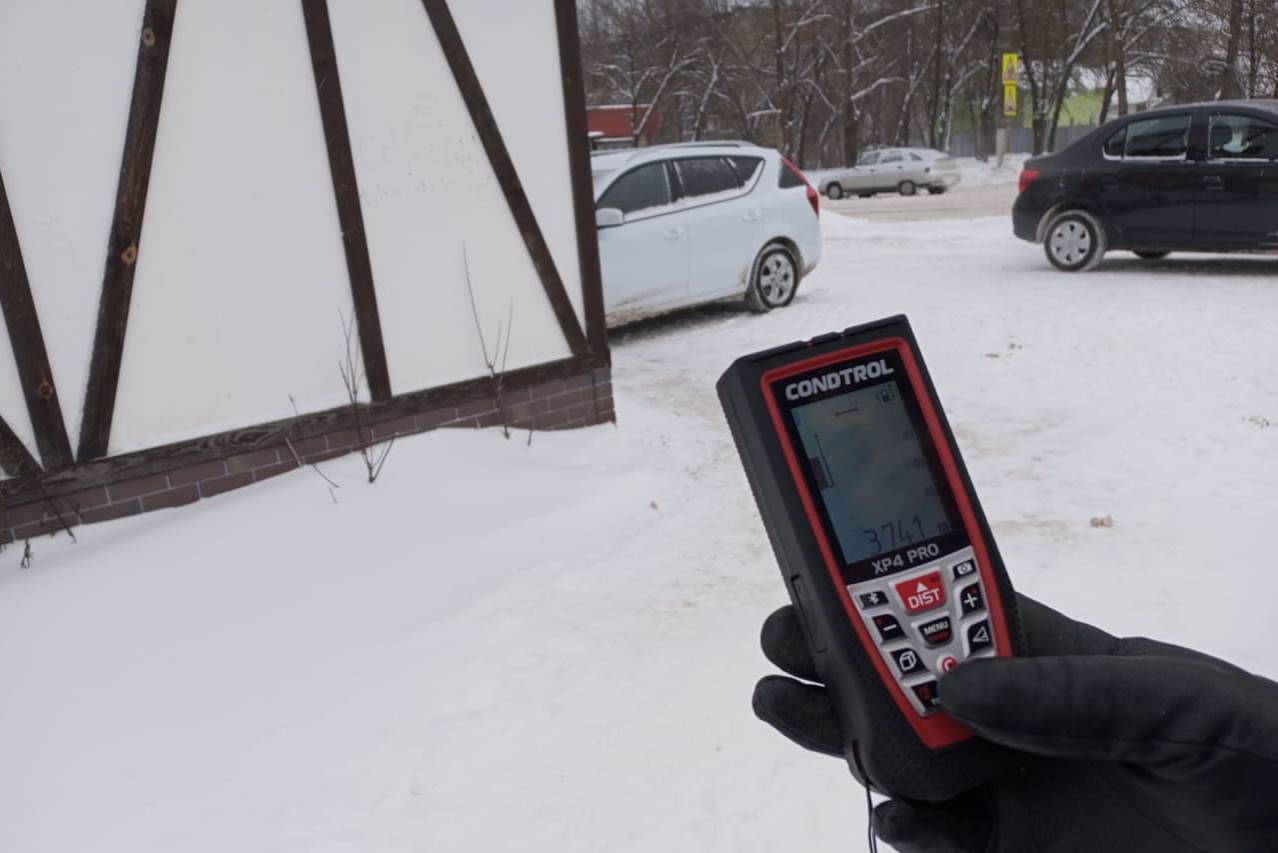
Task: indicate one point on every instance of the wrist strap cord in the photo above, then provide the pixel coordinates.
(869, 822)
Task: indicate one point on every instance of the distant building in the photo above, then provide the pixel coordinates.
(613, 125)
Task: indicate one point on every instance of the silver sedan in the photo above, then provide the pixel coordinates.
(901, 170)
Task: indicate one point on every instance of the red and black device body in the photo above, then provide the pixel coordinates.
(882, 543)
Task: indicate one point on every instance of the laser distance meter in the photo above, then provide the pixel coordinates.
(882, 543)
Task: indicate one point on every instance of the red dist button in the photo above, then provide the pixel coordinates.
(922, 593)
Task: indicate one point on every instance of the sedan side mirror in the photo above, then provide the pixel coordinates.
(609, 217)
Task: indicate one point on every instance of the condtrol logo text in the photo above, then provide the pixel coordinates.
(836, 379)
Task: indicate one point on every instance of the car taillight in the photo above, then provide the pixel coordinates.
(813, 198)
(1028, 176)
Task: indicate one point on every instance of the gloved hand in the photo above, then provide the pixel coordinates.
(1129, 745)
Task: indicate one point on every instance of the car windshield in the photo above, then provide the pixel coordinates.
(869, 158)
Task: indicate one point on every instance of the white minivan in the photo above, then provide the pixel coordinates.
(684, 224)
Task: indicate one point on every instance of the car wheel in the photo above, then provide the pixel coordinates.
(1151, 254)
(935, 190)
(906, 188)
(776, 278)
(1075, 241)
(834, 192)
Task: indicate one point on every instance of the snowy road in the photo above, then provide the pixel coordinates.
(962, 202)
(504, 647)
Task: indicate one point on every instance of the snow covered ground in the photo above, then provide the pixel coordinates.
(551, 647)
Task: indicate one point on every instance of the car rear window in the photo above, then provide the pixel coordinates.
(639, 190)
(1241, 137)
(1165, 136)
(705, 176)
(789, 177)
(747, 168)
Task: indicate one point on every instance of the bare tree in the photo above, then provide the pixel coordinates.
(352, 379)
(822, 79)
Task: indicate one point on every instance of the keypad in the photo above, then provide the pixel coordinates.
(928, 621)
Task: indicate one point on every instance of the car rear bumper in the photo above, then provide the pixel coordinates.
(810, 249)
(1025, 221)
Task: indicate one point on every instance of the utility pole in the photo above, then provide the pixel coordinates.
(1003, 17)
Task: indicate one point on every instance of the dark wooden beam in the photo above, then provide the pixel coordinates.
(583, 198)
(328, 87)
(27, 341)
(507, 178)
(15, 459)
(157, 459)
(126, 226)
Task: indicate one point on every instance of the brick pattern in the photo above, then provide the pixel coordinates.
(558, 404)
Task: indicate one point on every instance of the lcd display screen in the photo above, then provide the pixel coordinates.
(876, 484)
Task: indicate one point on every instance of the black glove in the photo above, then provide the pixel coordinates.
(1129, 745)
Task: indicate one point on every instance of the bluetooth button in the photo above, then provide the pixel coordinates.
(872, 599)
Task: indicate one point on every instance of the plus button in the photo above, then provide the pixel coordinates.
(970, 599)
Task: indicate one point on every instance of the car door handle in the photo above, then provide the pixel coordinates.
(674, 233)
(1213, 182)
(751, 216)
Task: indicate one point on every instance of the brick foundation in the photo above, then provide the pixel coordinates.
(574, 401)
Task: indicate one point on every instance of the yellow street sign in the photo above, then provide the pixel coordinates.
(1010, 93)
(1011, 67)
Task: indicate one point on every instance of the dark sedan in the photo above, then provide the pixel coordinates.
(1200, 177)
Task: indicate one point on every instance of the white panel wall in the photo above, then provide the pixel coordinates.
(241, 276)
(426, 189)
(66, 78)
(515, 50)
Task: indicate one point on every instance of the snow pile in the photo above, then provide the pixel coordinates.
(977, 173)
(513, 647)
